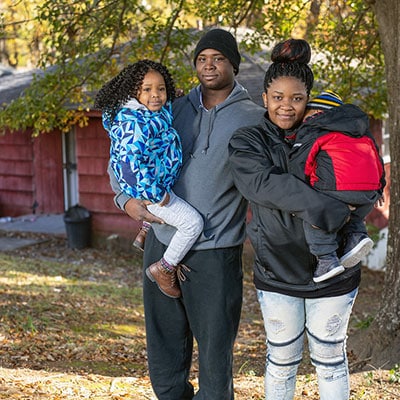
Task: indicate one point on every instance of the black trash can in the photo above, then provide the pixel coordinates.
(77, 224)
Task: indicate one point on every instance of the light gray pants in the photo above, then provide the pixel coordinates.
(185, 219)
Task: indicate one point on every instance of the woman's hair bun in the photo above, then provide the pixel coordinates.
(292, 50)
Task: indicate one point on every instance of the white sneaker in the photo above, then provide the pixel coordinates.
(357, 247)
(328, 266)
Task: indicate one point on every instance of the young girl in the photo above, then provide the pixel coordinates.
(146, 157)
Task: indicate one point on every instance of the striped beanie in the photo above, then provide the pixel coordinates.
(325, 101)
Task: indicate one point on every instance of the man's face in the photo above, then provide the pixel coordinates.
(214, 70)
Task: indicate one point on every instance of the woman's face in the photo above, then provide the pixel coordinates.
(286, 101)
(153, 92)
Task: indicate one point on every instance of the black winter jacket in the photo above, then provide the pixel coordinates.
(279, 202)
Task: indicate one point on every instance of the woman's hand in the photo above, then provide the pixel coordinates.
(137, 210)
(380, 201)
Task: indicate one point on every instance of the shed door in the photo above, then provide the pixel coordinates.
(71, 194)
(47, 165)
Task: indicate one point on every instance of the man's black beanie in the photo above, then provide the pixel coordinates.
(223, 41)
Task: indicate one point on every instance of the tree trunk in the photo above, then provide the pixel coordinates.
(380, 344)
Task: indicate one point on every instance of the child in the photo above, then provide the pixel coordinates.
(146, 157)
(336, 152)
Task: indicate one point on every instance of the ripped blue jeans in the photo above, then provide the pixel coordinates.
(325, 321)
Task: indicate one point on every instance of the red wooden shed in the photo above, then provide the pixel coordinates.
(55, 171)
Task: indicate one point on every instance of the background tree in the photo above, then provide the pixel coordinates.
(78, 45)
(89, 40)
(381, 342)
(20, 35)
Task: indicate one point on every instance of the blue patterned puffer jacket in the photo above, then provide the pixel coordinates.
(145, 150)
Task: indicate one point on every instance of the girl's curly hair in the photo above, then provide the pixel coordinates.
(126, 85)
(290, 58)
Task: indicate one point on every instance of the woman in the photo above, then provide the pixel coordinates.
(292, 303)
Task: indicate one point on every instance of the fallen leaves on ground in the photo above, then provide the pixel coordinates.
(72, 327)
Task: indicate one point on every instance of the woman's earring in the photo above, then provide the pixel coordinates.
(265, 101)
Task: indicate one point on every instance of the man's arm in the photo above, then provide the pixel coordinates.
(135, 208)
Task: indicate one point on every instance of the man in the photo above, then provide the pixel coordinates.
(210, 306)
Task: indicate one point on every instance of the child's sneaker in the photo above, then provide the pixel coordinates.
(328, 266)
(357, 246)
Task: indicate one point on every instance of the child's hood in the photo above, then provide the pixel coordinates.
(347, 118)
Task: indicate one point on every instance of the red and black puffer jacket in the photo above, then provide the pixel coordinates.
(336, 151)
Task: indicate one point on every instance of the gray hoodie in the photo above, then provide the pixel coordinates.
(206, 181)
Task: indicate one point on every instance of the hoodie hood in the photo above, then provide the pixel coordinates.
(203, 120)
(238, 93)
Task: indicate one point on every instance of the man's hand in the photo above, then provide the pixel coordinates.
(137, 210)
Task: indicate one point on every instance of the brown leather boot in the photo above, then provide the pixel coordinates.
(141, 236)
(166, 280)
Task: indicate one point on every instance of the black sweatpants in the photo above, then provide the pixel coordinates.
(209, 311)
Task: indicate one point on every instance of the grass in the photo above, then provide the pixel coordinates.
(75, 330)
(68, 319)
